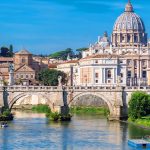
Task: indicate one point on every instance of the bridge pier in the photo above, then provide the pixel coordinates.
(1, 99)
(116, 115)
(1, 109)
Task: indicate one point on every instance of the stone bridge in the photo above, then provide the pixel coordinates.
(59, 98)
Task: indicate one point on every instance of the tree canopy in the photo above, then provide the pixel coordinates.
(139, 105)
(81, 49)
(62, 54)
(7, 52)
(49, 77)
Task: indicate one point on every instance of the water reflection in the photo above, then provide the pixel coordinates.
(137, 132)
(86, 132)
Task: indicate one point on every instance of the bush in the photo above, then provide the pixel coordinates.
(90, 110)
(139, 105)
(49, 77)
(6, 113)
(41, 108)
(58, 117)
(54, 116)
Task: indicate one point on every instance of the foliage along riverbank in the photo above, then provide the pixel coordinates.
(90, 110)
(6, 116)
(49, 114)
(139, 109)
(73, 110)
(41, 108)
(143, 122)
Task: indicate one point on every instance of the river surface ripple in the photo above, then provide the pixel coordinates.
(31, 131)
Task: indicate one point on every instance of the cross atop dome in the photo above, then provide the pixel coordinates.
(129, 7)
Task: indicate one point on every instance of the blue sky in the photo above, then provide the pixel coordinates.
(45, 26)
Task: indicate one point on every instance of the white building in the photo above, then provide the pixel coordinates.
(124, 59)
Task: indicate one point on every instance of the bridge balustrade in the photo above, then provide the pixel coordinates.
(69, 88)
(30, 88)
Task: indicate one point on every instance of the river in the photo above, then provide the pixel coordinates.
(32, 131)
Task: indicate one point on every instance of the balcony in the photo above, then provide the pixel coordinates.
(137, 81)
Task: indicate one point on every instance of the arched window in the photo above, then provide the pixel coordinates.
(135, 38)
(128, 38)
(109, 74)
(23, 60)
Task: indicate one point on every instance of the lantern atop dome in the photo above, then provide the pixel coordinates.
(129, 7)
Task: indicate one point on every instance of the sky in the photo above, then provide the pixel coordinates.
(46, 26)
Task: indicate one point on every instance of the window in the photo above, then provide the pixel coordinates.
(129, 74)
(121, 75)
(144, 62)
(96, 81)
(128, 38)
(129, 62)
(21, 76)
(17, 76)
(135, 38)
(109, 74)
(96, 75)
(135, 63)
(96, 61)
(144, 74)
(135, 75)
(32, 76)
(23, 60)
(27, 76)
(109, 81)
(121, 61)
(123, 39)
(96, 51)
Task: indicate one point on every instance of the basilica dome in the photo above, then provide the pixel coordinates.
(129, 21)
(129, 29)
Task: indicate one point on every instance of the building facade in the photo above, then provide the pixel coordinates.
(26, 68)
(123, 59)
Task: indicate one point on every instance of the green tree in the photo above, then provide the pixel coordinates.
(81, 49)
(4, 51)
(62, 54)
(11, 50)
(7, 52)
(49, 77)
(139, 105)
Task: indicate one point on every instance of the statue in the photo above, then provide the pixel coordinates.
(11, 74)
(59, 80)
(1, 81)
(11, 67)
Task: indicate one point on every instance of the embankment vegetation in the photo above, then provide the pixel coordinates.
(90, 110)
(6, 115)
(139, 109)
(53, 116)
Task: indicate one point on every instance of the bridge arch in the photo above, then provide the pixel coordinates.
(101, 96)
(23, 95)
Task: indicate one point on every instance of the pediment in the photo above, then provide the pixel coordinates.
(25, 68)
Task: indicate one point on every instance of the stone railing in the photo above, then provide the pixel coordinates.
(32, 88)
(91, 88)
(137, 88)
(73, 88)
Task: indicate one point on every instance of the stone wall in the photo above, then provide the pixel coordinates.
(89, 100)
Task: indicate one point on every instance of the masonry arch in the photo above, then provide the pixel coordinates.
(99, 95)
(23, 95)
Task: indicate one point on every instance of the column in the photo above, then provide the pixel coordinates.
(115, 75)
(132, 72)
(138, 69)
